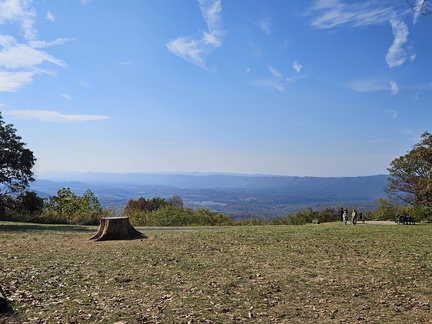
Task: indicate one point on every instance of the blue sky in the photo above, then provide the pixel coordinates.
(302, 88)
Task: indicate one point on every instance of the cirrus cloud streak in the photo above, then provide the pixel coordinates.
(330, 14)
(194, 50)
(334, 13)
(53, 116)
(396, 54)
(20, 60)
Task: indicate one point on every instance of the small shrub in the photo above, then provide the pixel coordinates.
(385, 210)
(251, 221)
(90, 217)
(179, 216)
(305, 216)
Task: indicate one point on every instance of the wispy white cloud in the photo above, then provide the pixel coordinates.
(276, 81)
(367, 85)
(416, 16)
(394, 88)
(53, 116)
(13, 81)
(373, 84)
(297, 66)
(264, 24)
(335, 13)
(15, 55)
(275, 72)
(21, 12)
(67, 97)
(20, 60)
(397, 54)
(50, 16)
(188, 49)
(269, 83)
(393, 113)
(42, 44)
(194, 50)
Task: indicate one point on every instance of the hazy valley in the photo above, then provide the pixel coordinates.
(236, 195)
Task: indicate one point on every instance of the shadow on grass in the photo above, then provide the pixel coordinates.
(77, 228)
(38, 227)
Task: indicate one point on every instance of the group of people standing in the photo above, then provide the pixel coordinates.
(354, 216)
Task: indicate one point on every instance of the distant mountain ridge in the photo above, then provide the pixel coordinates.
(234, 194)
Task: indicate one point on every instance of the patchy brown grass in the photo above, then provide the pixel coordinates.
(326, 273)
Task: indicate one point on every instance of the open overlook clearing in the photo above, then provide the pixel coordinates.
(327, 273)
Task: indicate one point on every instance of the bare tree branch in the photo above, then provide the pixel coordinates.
(423, 7)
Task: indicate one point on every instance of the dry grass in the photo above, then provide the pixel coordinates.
(326, 273)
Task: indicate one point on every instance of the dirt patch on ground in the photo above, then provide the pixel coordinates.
(377, 223)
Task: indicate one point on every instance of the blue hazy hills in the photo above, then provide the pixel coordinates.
(234, 194)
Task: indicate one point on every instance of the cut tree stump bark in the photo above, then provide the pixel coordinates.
(4, 305)
(116, 228)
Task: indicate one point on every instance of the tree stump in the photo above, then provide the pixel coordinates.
(116, 228)
(4, 305)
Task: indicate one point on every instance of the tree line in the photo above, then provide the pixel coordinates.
(409, 192)
(68, 208)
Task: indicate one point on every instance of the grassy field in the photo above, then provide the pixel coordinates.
(328, 273)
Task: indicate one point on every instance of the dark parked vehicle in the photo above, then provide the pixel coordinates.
(405, 220)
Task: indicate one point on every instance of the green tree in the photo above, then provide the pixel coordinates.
(157, 203)
(410, 178)
(139, 210)
(90, 202)
(25, 206)
(385, 210)
(68, 207)
(16, 161)
(28, 204)
(65, 204)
